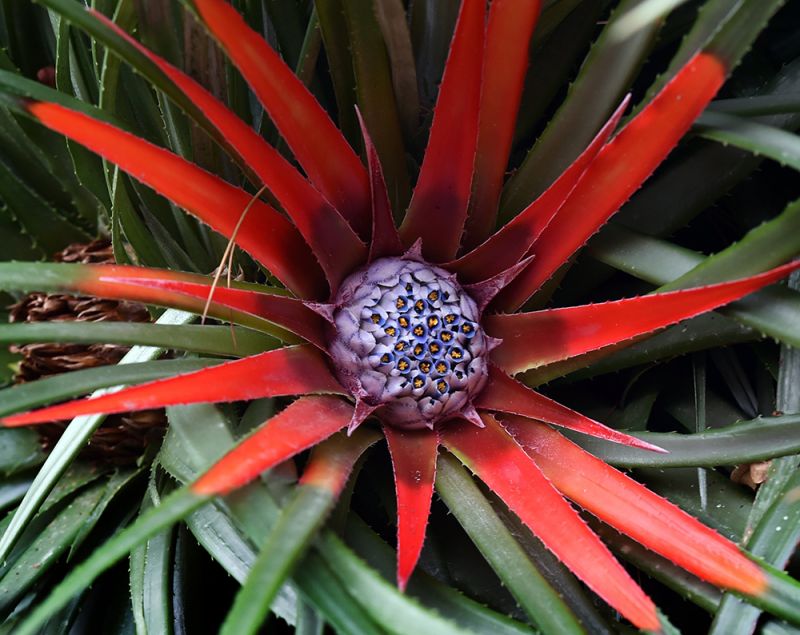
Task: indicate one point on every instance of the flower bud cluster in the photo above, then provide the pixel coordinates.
(407, 338)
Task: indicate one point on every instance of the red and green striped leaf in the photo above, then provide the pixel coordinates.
(317, 144)
(294, 370)
(438, 207)
(535, 339)
(414, 461)
(493, 455)
(505, 394)
(636, 511)
(265, 234)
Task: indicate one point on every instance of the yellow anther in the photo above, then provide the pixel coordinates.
(418, 383)
(433, 296)
(400, 346)
(402, 365)
(390, 330)
(432, 321)
(446, 336)
(456, 353)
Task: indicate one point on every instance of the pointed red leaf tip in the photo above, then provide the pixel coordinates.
(385, 239)
(619, 170)
(332, 462)
(317, 144)
(297, 427)
(414, 459)
(535, 339)
(361, 413)
(438, 207)
(504, 394)
(335, 244)
(637, 512)
(190, 292)
(516, 238)
(485, 291)
(493, 455)
(265, 234)
(295, 370)
(508, 35)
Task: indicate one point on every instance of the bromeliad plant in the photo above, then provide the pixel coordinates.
(418, 329)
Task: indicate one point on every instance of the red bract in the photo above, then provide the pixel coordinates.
(339, 204)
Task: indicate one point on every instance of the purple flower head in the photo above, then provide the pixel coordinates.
(406, 338)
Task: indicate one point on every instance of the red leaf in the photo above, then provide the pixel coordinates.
(636, 511)
(265, 234)
(332, 462)
(543, 337)
(516, 238)
(439, 205)
(337, 248)
(190, 292)
(501, 463)
(504, 394)
(297, 427)
(508, 34)
(414, 460)
(619, 170)
(385, 239)
(294, 370)
(315, 141)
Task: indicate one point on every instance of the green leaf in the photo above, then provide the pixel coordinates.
(295, 529)
(470, 507)
(757, 440)
(172, 508)
(45, 225)
(773, 527)
(48, 546)
(448, 601)
(391, 610)
(13, 489)
(333, 27)
(20, 450)
(213, 340)
(376, 96)
(756, 106)
(758, 138)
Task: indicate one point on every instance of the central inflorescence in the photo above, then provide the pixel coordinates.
(407, 340)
